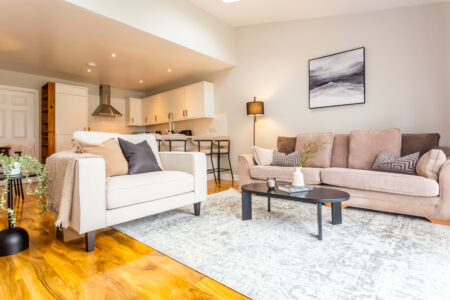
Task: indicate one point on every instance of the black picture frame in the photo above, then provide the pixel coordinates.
(363, 80)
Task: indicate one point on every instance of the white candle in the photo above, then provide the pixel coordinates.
(271, 182)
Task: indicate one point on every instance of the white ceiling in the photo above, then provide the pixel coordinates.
(246, 12)
(55, 38)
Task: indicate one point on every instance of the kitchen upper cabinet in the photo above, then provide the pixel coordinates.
(173, 102)
(134, 112)
(189, 102)
(199, 101)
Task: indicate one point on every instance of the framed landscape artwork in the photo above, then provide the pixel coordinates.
(337, 79)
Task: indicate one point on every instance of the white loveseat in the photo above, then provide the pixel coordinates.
(99, 202)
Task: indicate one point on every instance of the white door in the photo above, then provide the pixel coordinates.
(17, 123)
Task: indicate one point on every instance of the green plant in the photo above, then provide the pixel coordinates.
(309, 151)
(28, 166)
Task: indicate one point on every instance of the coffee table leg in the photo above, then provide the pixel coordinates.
(319, 220)
(246, 206)
(268, 204)
(336, 213)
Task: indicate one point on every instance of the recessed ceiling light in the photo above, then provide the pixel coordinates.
(89, 70)
(113, 54)
(91, 64)
(169, 70)
(229, 1)
(141, 81)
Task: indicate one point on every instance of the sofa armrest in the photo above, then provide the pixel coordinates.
(443, 210)
(89, 195)
(245, 162)
(190, 162)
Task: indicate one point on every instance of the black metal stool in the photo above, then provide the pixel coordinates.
(222, 147)
(175, 141)
(200, 142)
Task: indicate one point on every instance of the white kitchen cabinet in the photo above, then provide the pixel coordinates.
(173, 103)
(134, 112)
(64, 110)
(199, 101)
(194, 101)
(146, 111)
(71, 114)
(151, 109)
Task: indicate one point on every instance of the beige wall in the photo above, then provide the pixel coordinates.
(406, 85)
(95, 123)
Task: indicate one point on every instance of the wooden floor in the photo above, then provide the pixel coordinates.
(119, 268)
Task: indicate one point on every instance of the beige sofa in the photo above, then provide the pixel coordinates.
(391, 192)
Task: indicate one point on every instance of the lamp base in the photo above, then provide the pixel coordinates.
(13, 240)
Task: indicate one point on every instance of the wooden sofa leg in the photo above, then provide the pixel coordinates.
(90, 241)
(442, 222)
(197, 209)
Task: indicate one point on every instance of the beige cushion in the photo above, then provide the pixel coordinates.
(364, 146)
(115, 162)
(339, 155)
(263, 157)
(430, 163)
(322, 158)
(132, 189)
(311, 175)
(381, 182)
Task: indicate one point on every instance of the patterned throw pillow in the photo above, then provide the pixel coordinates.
(387, 162)
(285, 160)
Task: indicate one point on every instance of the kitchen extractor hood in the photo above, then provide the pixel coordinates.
(105, 109)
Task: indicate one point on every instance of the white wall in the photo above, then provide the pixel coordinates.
(406, 84)
(95, 123)
(178, 21)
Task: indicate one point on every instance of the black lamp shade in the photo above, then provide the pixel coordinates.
(255, 108)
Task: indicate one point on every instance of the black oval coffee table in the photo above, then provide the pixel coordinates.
(317, 195)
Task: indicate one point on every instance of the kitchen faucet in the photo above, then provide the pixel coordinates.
(171, 123)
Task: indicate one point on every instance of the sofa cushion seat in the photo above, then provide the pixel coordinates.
(403, 184)
(311, 175)
(132, 189)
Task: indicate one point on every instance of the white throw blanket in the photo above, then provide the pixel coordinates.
(61, 171)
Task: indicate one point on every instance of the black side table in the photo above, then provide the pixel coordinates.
(13, 239)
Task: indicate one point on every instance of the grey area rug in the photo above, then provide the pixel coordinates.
(276, 255)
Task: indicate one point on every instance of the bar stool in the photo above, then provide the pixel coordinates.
(175, 142)
(204, 144)
(222, 147)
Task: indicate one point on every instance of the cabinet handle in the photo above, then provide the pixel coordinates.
(186, 113)
(145, 119)
(132, 120)
(156, 118)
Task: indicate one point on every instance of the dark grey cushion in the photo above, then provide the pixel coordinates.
(387, 162)
(140, 157)
(285, 160)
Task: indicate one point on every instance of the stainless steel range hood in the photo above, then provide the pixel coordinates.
(105, 109)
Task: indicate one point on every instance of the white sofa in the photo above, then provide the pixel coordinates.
(99, 202)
